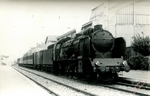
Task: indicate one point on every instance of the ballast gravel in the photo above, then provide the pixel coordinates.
(65, 91)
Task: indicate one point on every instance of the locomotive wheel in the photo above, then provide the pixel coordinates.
(62, 68)
(96, 77)
(66, 71)
(99, 77)
(59, 69)
(112, 78)
(115, 77)
(69, 71)
(55, 68)
(80, 69)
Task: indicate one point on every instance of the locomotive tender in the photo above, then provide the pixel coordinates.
(93, 53)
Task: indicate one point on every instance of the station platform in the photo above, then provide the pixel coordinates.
(13, 83)
(137, 76)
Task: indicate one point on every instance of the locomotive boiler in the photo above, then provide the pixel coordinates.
(93, 53)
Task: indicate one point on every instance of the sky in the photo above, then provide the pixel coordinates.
(23, 23)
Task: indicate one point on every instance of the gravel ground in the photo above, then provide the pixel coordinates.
(137, 74)
(64, 91)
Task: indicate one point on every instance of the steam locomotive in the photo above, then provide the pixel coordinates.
(93, 53)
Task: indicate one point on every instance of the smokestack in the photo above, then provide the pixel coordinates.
(98, 27)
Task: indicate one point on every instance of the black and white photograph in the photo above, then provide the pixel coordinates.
(74, 47)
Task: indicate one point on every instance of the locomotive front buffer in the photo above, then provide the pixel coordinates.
(110, 65)
(107, 68)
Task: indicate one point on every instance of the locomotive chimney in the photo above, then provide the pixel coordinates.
(98, 27)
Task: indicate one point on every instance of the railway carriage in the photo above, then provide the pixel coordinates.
(20, 61)
(26, 61)
(48, 58)
(38, 59)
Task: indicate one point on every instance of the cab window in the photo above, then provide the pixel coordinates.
(58, 46)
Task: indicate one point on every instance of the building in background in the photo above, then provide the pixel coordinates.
(71, 34)
(50, 40)
(43, 46)
(3, 59)
(123, 18)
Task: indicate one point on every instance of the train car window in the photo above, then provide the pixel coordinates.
(58, 46)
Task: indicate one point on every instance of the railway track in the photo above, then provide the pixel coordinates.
(122, 87)
(137, 85)
(81, 92)
(129, 89)
(141, 83)
(49, 91)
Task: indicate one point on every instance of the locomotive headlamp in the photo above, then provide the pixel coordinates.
(125, 63)
(126, 66)
(97, 63)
